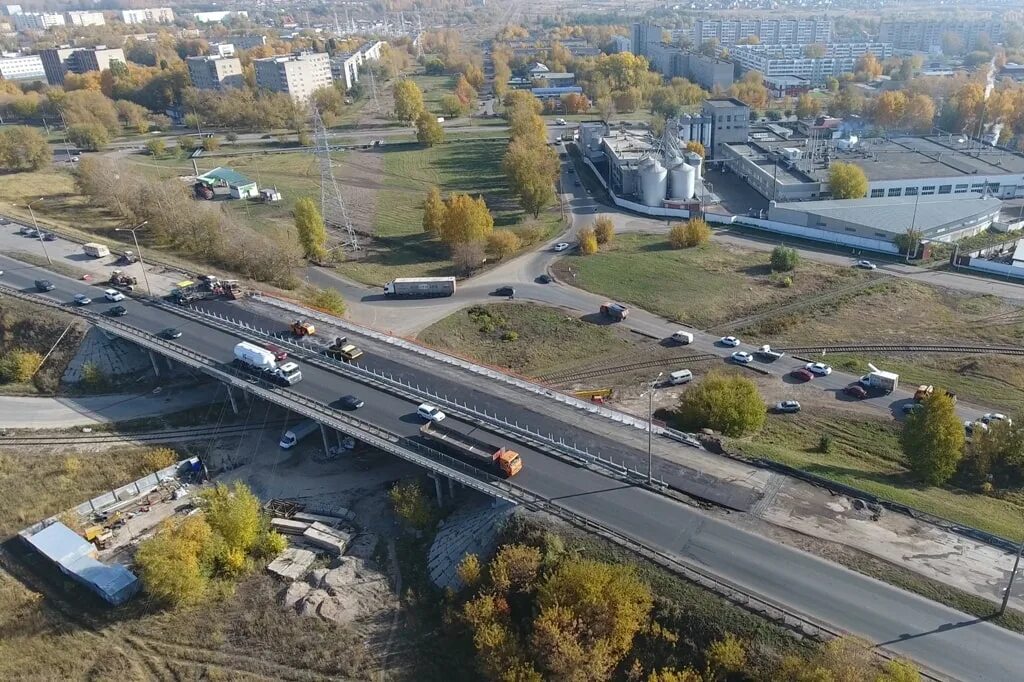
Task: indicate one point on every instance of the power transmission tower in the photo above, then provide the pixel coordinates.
(332, 204)
(373, 90)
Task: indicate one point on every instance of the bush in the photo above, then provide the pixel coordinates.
(604, 230)
(468, 256)
(18, 366)
(469, 570)
(156, 147)
(93, 377)
(510, 336)
(159, 458)
(784, 259)
(588, 241)
(211, 144)
(411, 505)
(693, 232)
(786, 283)
(503, 243)
(825, 444)
(231, 137)
(328, 300)
(724, 402)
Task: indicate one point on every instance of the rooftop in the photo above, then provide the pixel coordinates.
(232, 177)
(628, 145)
(724, 103)
(895, 214)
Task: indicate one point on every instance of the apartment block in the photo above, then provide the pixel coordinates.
(249, 41)
(298, 75)
(345, 67)
(85, 18)
(767, 31)
(774, 61)
(37, 21)
(151, 15)
(921, 35)
(215, 73)
(21, 68)
(645, 38)
(57, 62)
(223, 49)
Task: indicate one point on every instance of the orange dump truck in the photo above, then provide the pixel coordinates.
(506, 462)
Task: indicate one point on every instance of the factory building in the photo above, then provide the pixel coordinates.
(707, 72)
(730, 123)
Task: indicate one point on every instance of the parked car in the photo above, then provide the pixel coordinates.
(730, 341)
(866, 265)
(82, 299)
(856, 391)
(802, 374)
(171, 333)
(505, 291)
(681, 337)
(560, 246)
(113, 295)
(787, 406)
(350, 402)
(29, 231)
(742, 357)
(118, 311)
(971, 426)
(430, 413)
(818, 368)
(44, 285)
(990, 417)
(559, 121)
(49, 237)
(911, 407)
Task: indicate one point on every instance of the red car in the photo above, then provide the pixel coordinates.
(855, 391)
(802, 374)
(280, 354)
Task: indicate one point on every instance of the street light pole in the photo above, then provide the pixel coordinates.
(650, 430)
(138, 250)
(1013, 573)
(39, 235)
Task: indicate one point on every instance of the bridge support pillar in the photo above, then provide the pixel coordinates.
(437, 489)
(231, 397)
(323, 434)
(152, 360)
(451, 488)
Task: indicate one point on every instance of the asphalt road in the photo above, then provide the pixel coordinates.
(950, 642)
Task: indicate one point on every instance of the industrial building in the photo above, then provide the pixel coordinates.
(730, 123)
(797, 170)
(215, 73)
(18, 67)
(925, 35)
(297, 75)
(773, 61)
(58, 61)
(149, 15)
(767, 31)
(76, 558)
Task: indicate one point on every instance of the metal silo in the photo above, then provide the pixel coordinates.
(653, 182)
(684, 181)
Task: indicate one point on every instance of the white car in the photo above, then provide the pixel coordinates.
(561, 246)
(430, 413)
(970, 427)
(819, 368)
(113, 295)
(742, 357)
(996, 417)
(730, 341)
(559, 121)
(82, 299)
(866, 265)
(788, 406)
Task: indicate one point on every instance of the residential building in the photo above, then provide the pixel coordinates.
(59, 61)
(37, 21)
(298, 75)
(730, 123)
(11, 10)
(621, 44)
(85, 18)
(768, 31)
(924, 35)
(223, 49)
(248, 41)
(773, 61)
(16, 67)
(215, 72)
(707, 72)
(645, 37)
(345, 67)
(150, 15)
(214, 17)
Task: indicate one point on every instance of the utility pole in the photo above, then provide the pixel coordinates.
(1013, 573)
(138, 250)
(39, 234)
(650, 430)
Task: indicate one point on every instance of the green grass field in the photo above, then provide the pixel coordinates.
(699, 287)
(866, 454)
(526, 338)
(434, 88)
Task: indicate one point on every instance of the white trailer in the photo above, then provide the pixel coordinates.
(259, 361)
(254, 356)
(296, 433)
(420, 287)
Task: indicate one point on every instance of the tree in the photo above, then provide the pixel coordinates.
(469, 570)
(89, 136)
(467, 256)
(531, 168)
(466, 220)
(847, 181)
(156, 147)
(784, 258)
(187, 143)
(234, 514)
(909, 240)
(23, 148)
(212, 143)
(952, 43)
(997, 452)
(514, 568)
(933, 439)
(428, 131)
(890, 108)
(576, 103)
(727, 655)
(868, 68)
(587, 241)
(693, 232)
(465, 92)
(697, 148)
(832, 84)
(312, 231)
(807, 106)
(433, 212)
(604, 229)
(724, 402)
(18, 366)
(411, 504)
(919, 114)
(503, 243)
(172, 564)
(589, 613)
(451, 106)
(408, 100)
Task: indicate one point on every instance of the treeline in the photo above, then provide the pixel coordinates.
(530, 164)
(196, 229)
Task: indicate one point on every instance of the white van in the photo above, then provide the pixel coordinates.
(293, 435)
(684, 338)
(681, 376)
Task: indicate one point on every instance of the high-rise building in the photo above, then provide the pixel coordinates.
(730, 122)
(644, 38)
(59, 61)
(85, 18)
(215, 73)
(922, 35)
(21, 68)
(151, 15)
(36, 21)
(298, 75)
(790, 60)
(767, 31)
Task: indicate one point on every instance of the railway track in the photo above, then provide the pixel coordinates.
(139, 437)
(566, 377)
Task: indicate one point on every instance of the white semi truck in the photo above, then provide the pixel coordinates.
(262, 363)
(420, 287)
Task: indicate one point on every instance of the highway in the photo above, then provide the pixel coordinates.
(945, 640)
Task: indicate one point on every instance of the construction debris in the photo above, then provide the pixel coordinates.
(292, 564)
(352, 590)
(320, 535)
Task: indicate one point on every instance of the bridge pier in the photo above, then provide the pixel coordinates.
(437, 489)
(152, 360)
(451, 488)
(323, 434)
(231, 397)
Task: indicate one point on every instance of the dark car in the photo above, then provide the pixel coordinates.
(49, 237)
(544, 279)
(118, 311)
(350, 402)
(855, 391)
(171, 333)
(909, 408)
(44, 285)
(802, 374)
(505, 291)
